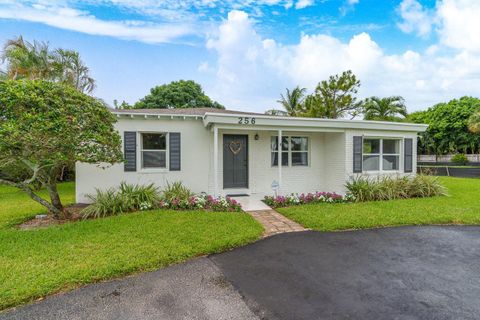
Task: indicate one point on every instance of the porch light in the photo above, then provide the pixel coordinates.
(256, 137)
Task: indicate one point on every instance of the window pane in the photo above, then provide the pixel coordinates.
(299, 143)
(371, 146)
(284, 143)
(154, 141)
(274, 143)
(371, 163)
(390, 163)
(390, 146)
(284, 159)
(299, 158)
(154, 159)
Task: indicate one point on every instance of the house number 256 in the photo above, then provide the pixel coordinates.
(246, 120)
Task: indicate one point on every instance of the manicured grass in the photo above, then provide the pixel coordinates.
(461, 206)
(449, 166)
(35, 263)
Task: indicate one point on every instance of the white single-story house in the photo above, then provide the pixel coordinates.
(224, 152)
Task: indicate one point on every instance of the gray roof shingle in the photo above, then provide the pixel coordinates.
(183, 111)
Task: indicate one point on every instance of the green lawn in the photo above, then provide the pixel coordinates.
(462, 206)
(35, 263)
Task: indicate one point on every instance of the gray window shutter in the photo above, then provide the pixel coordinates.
(130, 150)
(408, 154)
(357, 154)
(174, 147)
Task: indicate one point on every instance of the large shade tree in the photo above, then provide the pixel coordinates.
(448, 127)
(46, 126)
(177, 94)
(387, 109)
(334, 98)
(36, 60)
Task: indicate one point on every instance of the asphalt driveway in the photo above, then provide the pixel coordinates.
(395, 273)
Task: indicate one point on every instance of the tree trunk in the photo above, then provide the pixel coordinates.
(55, 200)
(56, 212)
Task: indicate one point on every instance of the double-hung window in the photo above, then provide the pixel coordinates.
(294, 151)
(381, 154)
(154, 150)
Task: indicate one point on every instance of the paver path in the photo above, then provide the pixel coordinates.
(274, 222)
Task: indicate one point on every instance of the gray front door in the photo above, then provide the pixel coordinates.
(235, 161)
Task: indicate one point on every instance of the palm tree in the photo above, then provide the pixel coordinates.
(27, 60)
(474, 122)
(293, 101)
(387, 109)
(72, 71)
(35, 60)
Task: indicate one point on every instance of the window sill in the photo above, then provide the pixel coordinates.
(381, 171)
(154, 170)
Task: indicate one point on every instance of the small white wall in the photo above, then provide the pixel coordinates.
(334, 159)
(195, 157)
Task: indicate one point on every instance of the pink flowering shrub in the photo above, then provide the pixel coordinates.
(304, 198)
(205, 202)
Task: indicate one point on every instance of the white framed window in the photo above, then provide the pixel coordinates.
(294, 151)
(381, 154)
(153, 150)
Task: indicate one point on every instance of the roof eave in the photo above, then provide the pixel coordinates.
(265, 120)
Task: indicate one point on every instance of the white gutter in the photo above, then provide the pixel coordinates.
(265, 120)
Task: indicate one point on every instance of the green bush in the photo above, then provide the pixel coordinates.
(422, 186)
(139, 197)
(388, 187)
(128, 197)
(460, 158)
(176, 192)
(105, 203)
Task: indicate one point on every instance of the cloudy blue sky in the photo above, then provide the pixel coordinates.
(245, 53)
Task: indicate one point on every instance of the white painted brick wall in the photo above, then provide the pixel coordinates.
(330, 160)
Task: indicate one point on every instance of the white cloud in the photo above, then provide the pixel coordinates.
(347, 6)
(252, 72)
(81, 21)
(300, 4)
(158, 21)
(415, 18)
(459, 24)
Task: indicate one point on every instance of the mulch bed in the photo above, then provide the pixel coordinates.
(42, 222)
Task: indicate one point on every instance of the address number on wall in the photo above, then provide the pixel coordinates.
(246, 120)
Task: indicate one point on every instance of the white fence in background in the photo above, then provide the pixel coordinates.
(445, 158)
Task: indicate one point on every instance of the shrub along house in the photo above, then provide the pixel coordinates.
(222, 152)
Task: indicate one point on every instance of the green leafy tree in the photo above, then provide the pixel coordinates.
(448, 130)
(47, 126)
(276, 112)
(474, 122)
(177, 94)
(386, 109)
(122, 105)
(36, 60)
(334, 98)
(293, 101)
